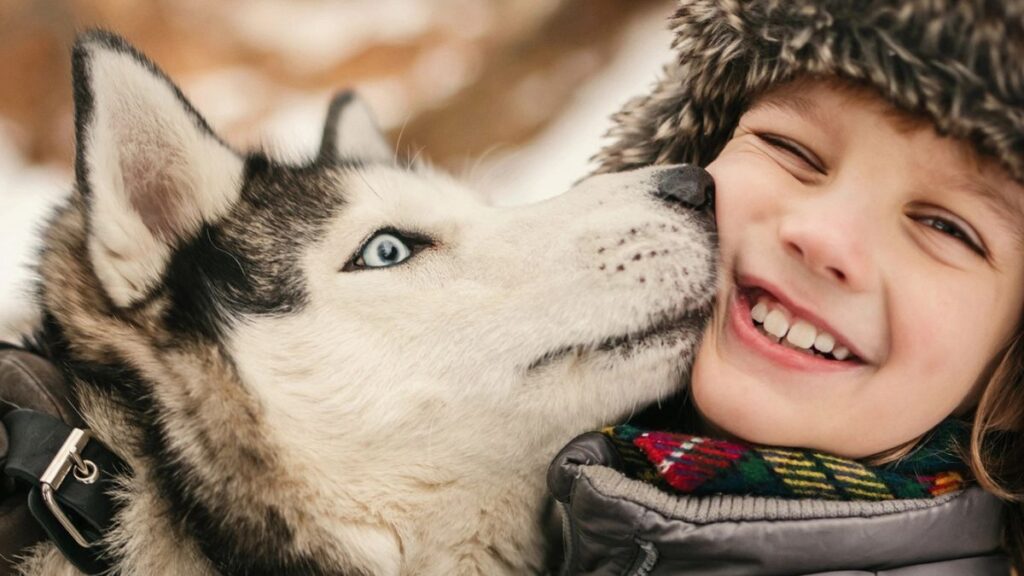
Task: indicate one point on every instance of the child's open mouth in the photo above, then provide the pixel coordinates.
(775, 322)
(767, 326)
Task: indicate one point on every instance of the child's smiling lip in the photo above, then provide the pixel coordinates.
(746, 281)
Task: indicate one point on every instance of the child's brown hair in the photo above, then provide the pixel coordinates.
(996, 453)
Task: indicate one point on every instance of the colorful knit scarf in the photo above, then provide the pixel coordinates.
(696, 465)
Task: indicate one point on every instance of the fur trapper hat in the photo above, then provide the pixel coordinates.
(958, 62)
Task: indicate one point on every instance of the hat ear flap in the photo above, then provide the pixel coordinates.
(351, 132)
(151, 170)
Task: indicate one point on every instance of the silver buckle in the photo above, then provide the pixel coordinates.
(68, 457)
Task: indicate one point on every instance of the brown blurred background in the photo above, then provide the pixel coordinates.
(457, 78)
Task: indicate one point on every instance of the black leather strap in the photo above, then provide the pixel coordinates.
(35, 440)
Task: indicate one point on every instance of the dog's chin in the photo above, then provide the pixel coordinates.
(664, 333)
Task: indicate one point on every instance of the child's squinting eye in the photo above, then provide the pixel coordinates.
(951, 229)
(794, 149)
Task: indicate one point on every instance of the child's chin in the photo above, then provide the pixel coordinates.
(730, 411)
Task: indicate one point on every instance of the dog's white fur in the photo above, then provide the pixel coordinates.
(437, 351)
(408, 413)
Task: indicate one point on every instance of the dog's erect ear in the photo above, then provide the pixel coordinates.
(149, 167)
(352, 132)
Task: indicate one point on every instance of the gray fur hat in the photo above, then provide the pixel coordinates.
(959, 62)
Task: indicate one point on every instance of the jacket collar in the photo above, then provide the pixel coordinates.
(614, 520)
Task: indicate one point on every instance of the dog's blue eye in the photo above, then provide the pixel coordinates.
(384, 250)
(387, 247)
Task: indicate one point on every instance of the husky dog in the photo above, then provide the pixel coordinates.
(347, 366)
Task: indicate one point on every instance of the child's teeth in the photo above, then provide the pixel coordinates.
(785, 342)
(802, 334)
(776, 324)
(776, 321)
(759, 311)
(824, 342)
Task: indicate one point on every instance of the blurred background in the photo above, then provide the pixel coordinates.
(513, 96)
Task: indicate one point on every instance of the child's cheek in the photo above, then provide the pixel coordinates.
(747, 186)
(936, 351)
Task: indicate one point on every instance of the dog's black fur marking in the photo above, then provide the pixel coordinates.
(329, 140)
(196, 277)
(217, 275)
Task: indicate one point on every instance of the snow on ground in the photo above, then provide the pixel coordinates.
(559, 156)
(27, 194)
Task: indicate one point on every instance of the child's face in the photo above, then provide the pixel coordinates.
(882, 232)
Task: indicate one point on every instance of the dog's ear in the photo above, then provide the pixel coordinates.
(352, 132)
(148, 166)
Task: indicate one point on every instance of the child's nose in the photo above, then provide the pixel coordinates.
(829, 242)
(686, 185)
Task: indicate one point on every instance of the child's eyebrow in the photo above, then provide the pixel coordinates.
(792, 102)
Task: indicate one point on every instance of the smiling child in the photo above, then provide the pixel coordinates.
(856, 405)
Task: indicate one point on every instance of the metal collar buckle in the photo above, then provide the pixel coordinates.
(68, 459)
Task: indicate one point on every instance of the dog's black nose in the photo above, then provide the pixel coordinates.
(690, 186)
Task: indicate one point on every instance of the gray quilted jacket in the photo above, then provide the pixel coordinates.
(615, 526)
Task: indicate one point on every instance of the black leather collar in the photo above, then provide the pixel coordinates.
(71, 477)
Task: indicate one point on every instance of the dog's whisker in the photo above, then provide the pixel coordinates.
(415, 158)
(370, 186)
(398, 140)
(471, 173)
(233, 257)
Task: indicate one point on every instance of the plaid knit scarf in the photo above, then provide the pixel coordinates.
(696, 465)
